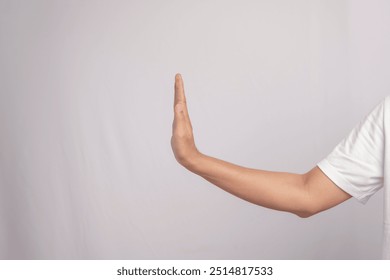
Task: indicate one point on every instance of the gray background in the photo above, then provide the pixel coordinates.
(86, 91)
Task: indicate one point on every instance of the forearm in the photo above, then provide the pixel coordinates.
(276, 190)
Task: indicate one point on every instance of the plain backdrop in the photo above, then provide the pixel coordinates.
(86, 93)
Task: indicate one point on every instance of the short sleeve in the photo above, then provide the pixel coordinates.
(356, 164)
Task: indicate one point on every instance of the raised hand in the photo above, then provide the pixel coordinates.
(182, 141)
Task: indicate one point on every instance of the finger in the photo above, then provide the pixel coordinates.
(180, 98)
(178, 123)
(181, 119)
(180, 104)
(179, 90)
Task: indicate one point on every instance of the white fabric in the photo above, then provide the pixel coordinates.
(360, 163)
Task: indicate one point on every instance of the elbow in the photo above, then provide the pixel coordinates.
(307, 205)
(304, 214)
(307, 211)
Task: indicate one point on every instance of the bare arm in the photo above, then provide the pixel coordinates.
(301, 194)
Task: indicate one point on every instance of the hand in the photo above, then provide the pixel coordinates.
(182, 141)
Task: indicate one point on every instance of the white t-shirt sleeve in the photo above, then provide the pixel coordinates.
(356, 164)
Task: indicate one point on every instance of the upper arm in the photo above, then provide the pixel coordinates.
(321, 192)
(355, 167)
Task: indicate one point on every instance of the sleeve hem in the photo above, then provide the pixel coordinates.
(340, 181)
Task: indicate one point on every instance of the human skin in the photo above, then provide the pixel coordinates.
(301, 194)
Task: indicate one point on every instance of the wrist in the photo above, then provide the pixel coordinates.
(192, 161)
